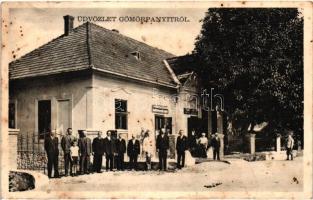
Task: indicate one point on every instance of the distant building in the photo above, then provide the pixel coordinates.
(98, 79)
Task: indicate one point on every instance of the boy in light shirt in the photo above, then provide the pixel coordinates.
(74, 157)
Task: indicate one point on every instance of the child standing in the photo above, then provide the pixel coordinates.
(74, 157)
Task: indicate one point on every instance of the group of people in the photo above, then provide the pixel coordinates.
(199, 146)
(78, 152)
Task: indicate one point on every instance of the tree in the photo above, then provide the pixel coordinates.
(254, 57)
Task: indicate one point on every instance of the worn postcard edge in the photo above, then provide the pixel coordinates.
(307, 158)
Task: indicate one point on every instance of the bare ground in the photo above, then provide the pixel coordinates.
(239, 175)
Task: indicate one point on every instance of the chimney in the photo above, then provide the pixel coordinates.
(68, 24)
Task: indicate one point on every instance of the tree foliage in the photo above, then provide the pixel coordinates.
(254, 57)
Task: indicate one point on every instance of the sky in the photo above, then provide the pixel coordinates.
(30, 28)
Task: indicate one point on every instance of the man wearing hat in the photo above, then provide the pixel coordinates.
(216, 146)
(181, 146)
(289, 145)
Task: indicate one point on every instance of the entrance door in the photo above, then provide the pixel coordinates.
(44, 118)
(193, 124)
(163, 122)
(159, 122)
(64, 116)
(166, 123)
(214, 121)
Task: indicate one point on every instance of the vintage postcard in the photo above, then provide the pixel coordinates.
(156, 99)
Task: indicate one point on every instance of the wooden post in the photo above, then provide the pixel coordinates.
(27, 153)
(221, 137)
(299, 146)
(33, 141)
(219, 120)
(252, 143)
(209, 121)
(278, 143)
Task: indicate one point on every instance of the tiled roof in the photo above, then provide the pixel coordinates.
(63, 54)
(92, 46)
(182, 64)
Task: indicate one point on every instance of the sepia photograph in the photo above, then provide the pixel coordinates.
(169, 100)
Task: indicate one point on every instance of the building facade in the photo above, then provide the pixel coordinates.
(95, 79)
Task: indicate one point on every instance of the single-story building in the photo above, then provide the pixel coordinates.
(97, 79)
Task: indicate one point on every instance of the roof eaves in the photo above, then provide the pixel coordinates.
(47, 74)
(135, 78)
(173, 75)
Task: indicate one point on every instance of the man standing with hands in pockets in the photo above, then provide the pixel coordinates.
(66, 144)
(162, 146)
(98, 149)
(181, 146)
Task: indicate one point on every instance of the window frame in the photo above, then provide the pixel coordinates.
(121, 115)
(14, 102)
(37, 116)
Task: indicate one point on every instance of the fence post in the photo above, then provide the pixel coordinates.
(221, 137)
(278, 143)
(44, 139)
(27, 152)
(252, 143)
(33, 139)
(21, 152)
(13, 148)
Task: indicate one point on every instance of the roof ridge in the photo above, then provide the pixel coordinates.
(88, 39)
(130, 38)
(90, 46)
(141, 46)
(47, 43)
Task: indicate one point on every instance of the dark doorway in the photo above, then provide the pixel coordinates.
(163, 122)
(204, 122)
(193, 124)
(214, 122)
(159, 122)
(12, 117)
(44, 118)
(166, 123)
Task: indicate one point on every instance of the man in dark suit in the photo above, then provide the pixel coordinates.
(98, 150)
(162, 146)
(109, 150)
(52, 149)
(120, 150)
(181, 146)
(192, 143)
(133, 150)
(216, 146)
(85, 149)
(66, 143)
